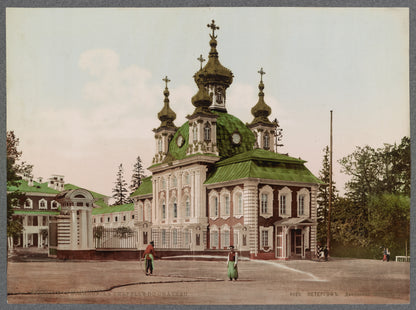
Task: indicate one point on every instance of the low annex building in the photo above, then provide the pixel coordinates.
(42, 203)
(218, 182)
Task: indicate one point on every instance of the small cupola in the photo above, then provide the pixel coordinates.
(261, 110)
(266, 132)
(166, 115)
(165, 132)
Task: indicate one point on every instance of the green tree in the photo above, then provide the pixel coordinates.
(120, 191)
(323, 198)
(14, 170)
(375, 211)
(138, 175)
(389, 221)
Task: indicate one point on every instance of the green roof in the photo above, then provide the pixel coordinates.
(264, 165)
(36, 188)
(37, 212)
(261, 155)
(227, 124)
(44, 189)
(94, 194)
(174, 150)
(113, 209)
(145, 188)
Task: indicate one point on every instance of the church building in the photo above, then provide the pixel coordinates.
(218, 182)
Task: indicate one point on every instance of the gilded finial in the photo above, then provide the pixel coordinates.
(166, 80)
(213, 27)
(261, 74)
(201, 60)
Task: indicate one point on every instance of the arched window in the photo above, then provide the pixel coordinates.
(238, 202)
(28, 204)
(285, 202)
(159, 145)
(213, 203)
(225, 203)
(303, 202)
(43, 204)
(266, 201)
(207, 132)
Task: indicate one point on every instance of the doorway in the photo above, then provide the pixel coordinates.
(296, 243)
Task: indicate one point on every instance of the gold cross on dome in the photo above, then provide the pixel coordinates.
(261, 74)
(166, 81)
(213, 27)
(201, 59)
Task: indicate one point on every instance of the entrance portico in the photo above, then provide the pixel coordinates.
(293, 237)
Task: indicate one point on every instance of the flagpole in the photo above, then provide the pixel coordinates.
(328, 235)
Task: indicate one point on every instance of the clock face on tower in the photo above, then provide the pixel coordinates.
(236, 138)
(179, 141)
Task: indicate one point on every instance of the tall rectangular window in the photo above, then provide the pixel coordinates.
(264, 238)
(301, 205)
(240, 204)
(215, 206)
(283, 204)
(187, 208)
(175, 210)
(227, 205)
(264, 203)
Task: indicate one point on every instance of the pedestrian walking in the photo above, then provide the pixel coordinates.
(149, 255)
(387, 254)
(384, 255)
(232, 261)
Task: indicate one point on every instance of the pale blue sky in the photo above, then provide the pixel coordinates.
(84, 86)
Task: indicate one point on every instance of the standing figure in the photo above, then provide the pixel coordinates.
(148, 256)
(384, 255)
(232, 261)
(387, 254)
(326, 252)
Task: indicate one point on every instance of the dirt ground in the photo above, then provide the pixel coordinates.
(185, 282)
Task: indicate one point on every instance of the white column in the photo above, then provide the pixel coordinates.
(181, 210)
(89, 229)
(74, 226)
(155, 213)
(84, 230)
(193, 200)
(251, 214)
(167, 201)
(313, 213)
(198, 194)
